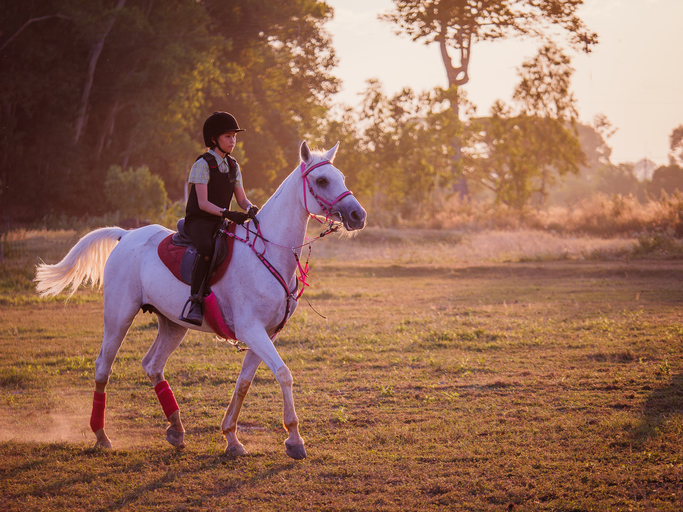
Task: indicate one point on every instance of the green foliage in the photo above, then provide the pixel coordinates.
(136, 193)
(97, 84)
(404, 150)
(654, 243)
(169, 217)
(667, 179)
(543, 91)
(520, 154)
(676, 143)
(544, 87)
(401, 150)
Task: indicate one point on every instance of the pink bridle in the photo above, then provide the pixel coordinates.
(303, 269)
(324, 204)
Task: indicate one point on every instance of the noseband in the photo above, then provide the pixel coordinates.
(324, 204)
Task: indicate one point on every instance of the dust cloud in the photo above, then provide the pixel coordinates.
(63, 417)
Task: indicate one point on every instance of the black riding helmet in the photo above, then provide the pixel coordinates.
(217, 124)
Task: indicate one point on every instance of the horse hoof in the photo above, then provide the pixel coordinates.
(236, 451)
(102, 440)
(175, 438)
(295, 451)
(104, 445)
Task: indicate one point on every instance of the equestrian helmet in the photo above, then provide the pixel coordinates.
(217, 124)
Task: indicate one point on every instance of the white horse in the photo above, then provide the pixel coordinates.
(252, 302)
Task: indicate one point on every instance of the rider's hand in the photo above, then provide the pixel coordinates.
(252, 211)
(236, 217)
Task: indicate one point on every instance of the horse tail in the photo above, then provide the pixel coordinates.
(84, 262)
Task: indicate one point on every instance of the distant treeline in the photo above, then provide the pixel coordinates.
(102, 103)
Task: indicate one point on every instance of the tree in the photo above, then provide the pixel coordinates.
(519, 155)
(667, 179)
(457, 25)
(544, 87)
(676, 143)
(618, 180)
(527, 151)
(91, 84)
(544, 93)
(282, 84)
(406, 140)
(93, 58)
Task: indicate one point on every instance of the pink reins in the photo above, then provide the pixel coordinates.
(326, 206)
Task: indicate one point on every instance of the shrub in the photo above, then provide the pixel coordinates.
(599, 215)
(136, 193)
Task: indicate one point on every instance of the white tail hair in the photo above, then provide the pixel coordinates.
(84, 262)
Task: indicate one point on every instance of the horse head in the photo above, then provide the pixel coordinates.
(325, 193)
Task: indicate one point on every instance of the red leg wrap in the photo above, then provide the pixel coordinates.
(99, 403)
(166, 398)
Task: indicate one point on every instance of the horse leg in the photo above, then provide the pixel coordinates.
(229, 424)
(169, 337)
(263, 347)
(294, 445)
(116, 324)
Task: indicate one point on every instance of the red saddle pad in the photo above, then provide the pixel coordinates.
(172, 255)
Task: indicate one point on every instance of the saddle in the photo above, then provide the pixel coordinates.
(178, 254)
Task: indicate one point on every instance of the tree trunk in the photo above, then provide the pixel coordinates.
(95, 51)
(108, 130)
(457, 76)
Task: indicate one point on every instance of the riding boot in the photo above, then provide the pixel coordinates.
(195, 315)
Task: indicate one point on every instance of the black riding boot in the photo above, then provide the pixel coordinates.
(195, 315)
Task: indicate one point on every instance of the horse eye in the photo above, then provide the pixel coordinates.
(321, 182)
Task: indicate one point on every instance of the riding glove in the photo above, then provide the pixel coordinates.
(237, 217)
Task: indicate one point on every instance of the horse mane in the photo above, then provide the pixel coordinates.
(317, 154)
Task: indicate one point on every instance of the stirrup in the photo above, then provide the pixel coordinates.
(193, 317)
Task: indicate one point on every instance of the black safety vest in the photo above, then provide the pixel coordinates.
(220, 188)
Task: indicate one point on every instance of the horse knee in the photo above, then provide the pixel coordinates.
(102, 371)
(284, 377)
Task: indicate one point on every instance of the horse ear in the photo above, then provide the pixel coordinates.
(332, 153)
(305, 153)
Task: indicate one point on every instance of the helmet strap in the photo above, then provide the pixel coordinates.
(217, 145)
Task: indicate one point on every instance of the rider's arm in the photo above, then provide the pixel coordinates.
(241, 198)
(203, 200)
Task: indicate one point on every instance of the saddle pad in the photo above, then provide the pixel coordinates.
(172, 255)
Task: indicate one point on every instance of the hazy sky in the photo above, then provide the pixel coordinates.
(634, 76)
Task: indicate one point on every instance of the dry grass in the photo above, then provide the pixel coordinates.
(599, 216)
(527, 386)
(471, 248)
(493, 370)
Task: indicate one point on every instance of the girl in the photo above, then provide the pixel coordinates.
(214, 178)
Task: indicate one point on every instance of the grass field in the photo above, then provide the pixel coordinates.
(446, 377)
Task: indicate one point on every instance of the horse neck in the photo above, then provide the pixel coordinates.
(283, 219)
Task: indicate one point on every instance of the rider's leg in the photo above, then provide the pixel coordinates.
(195, 313)
(201, 232)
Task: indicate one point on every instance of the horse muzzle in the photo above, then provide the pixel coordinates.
(352, 215)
